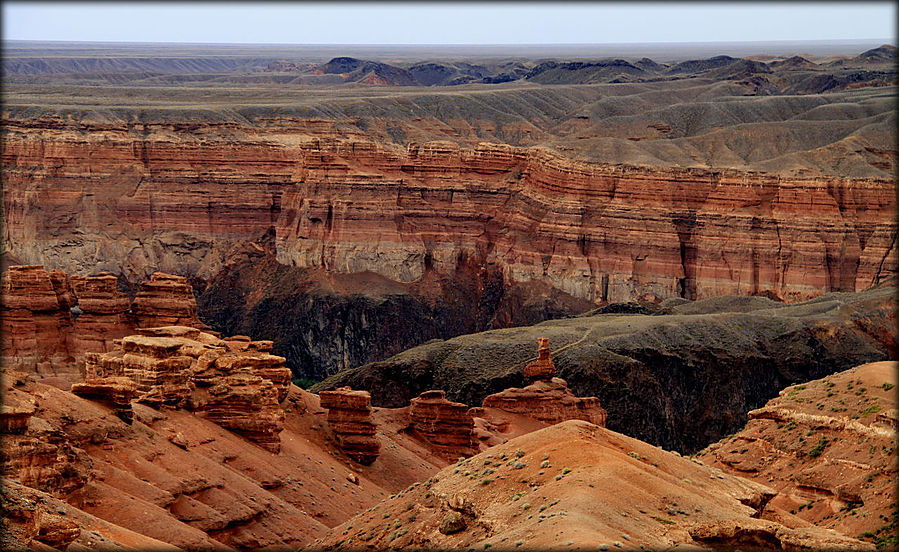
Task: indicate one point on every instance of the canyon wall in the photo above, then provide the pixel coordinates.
(136, 198)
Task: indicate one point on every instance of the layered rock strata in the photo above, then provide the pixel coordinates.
(247, 405)
(446, 425)
(549, 401)
(350, 418)
(165, 300)
(50, 320)
(117, 392)
(828, 447)
(37, 322)
(105, 313)
(233, 382)
(598, 231)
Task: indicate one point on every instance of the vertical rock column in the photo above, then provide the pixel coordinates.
(349, 417)
(446, 425)
(104, 313)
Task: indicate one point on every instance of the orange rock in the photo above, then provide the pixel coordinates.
(549, 402)
(446, 425)
(599, 231)
(165, 300)
(115, 391)
(247, 405)
(238, 388)
(543, 368)
(350, 418)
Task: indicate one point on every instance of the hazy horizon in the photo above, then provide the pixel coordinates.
(446, 24)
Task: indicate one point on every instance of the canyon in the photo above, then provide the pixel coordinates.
(522, 234)
(288, 298)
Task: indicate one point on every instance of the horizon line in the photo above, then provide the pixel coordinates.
(887, 41)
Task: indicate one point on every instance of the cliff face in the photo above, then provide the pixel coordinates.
(163, 197)
(51, 320)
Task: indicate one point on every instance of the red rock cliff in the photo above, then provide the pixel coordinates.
(165, 198)
(43, 335)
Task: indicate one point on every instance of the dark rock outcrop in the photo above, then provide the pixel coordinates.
(676, 380)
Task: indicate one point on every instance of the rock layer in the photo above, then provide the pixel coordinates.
(350, 418)
(50, 320)
(828, 447)
(232, 382)
(548, 401)
(446, 425)
(598, 231)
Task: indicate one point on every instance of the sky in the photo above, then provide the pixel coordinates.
(447, 23)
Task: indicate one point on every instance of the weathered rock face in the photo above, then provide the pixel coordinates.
(600, 232)
(247, 405)
(548, 401)
(32, 452)
(117, 392)
(105, 313)
(42, 335)
(36, 321)
(543, 368)
(828, 447)
(446, 425)
(681, 379)
(233, 382)
(299, 308)
(349, 417)
(165, 300)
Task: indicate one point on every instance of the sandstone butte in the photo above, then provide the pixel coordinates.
(600, 232)
(218, 452)
(50, 320)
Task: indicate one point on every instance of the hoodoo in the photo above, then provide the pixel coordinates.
(446, 425)
(547, 398)
(349, 417)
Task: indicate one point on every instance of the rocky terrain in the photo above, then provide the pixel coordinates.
(583, 487)
(178, 436)
(683, 235)
(51, 320)
(829, 448)
(539, 189)
(680, 378)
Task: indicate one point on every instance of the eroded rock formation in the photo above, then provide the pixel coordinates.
(117, 392)
(548, 401)
(828, 447)
(50, 320)
(105, 313)
(547, 398)
(598, 231)
(232, 382)
(590, 486)
(165, 300)
(350, 418)
(543, 368)
(36, 321)
(446, 425)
